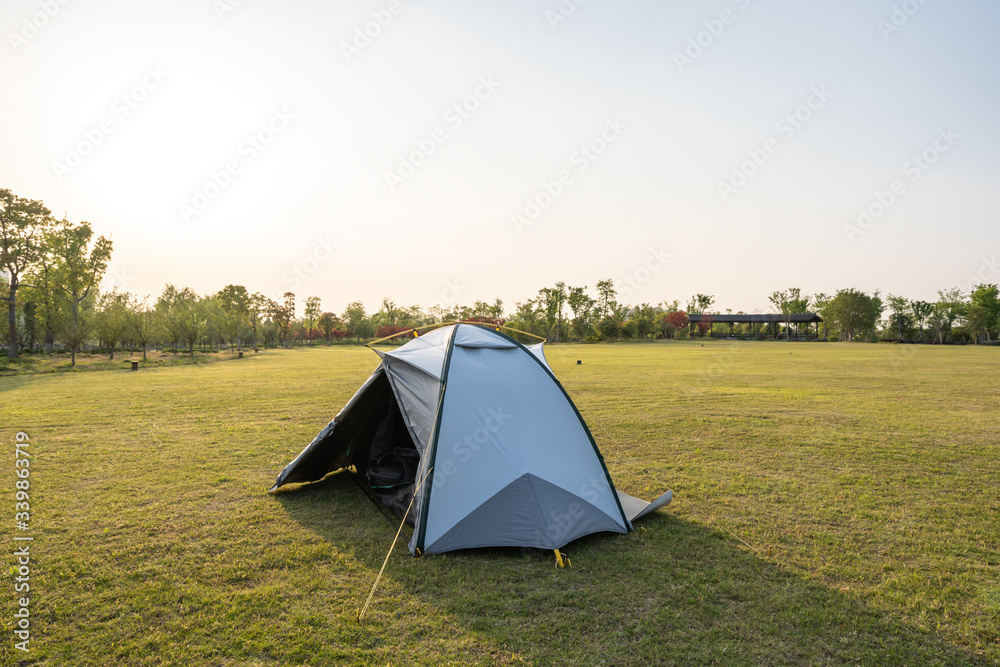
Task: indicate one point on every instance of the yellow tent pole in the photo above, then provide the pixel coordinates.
(444, 324)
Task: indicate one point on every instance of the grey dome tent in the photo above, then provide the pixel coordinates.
(475, 429)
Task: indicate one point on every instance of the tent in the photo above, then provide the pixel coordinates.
(468, 435)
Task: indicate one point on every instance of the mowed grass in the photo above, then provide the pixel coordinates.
(836, 504)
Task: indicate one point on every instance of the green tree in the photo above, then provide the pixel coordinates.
(645, 316)
(699, 303)
(789, 302)
(234, 302)
(609, 328)
(191, 317)
(327, 323)
(496, 310)
(76, 270)
(256, 309)
(143, 323)
(169, 314)
(551, 300)
(52, 310)
(854, 312)
(950, 306)
(111, 321)
(272, 311)
(984, 312)
(356, 320)
(629, 330)
(582, 307)
(606, 296)
(283, 315)
(899, 319)
(921, 310)
(24, 224)
(312, 314)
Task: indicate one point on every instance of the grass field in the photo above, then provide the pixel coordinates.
(836, 504)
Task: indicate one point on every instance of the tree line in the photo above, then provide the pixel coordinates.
(53, 270)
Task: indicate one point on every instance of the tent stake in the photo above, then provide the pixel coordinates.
(364, 609)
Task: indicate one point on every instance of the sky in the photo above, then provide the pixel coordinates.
(439, 152)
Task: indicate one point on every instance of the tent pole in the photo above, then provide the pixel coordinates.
(364, 609)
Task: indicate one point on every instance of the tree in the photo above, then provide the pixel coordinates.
(629, 330)
(699, 303)
(390, 314)
(143, 323)
(645, 327)
(75, 270)
(606, 296)
(705, 323)
(899, 307)
(255, 310)
(582, 306)
(328, 322)
(950, 306)
(111, 320)
(854, 312)
(921, 310)
(356, 320)
(23, 227)
(789, 302)
(272, 311)
(609, 328)
(984, 312)
(168, 312)
(552, 299)
(234, 302)
(283, 316)
(52, 310)
(312, 314)
(676, 320)
(937, 321)
(190, 315)
(496, 310)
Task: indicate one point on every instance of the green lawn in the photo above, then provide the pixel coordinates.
(836, 504)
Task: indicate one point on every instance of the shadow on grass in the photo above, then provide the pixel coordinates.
(674, 593)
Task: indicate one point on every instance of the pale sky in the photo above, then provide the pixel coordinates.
(469, 150)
